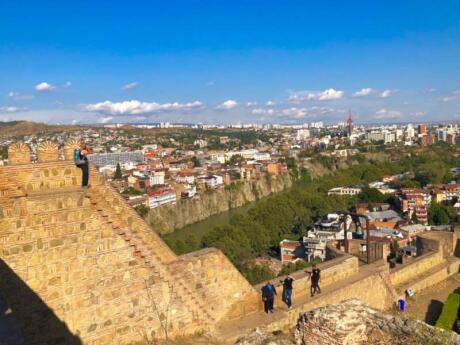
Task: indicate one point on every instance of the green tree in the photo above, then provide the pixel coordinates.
(236, 160)
(142, 209)
(438, 215)
(118, 174)
(371, 195)
(196, 162)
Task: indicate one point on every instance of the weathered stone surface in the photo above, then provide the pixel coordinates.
(47, 151)
(18, 153)
(82, 267)
(353, 323)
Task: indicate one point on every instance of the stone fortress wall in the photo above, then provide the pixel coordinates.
(82, 266)
(79, 266)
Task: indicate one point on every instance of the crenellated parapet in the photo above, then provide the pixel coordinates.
(47, 151)
(19, 153)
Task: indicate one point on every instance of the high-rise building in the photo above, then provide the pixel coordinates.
(349, 125)
(422, 129)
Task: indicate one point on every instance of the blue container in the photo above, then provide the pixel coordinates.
(402, 304)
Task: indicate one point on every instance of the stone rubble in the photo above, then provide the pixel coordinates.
(353, 323)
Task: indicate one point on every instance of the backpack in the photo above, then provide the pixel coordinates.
(76, 155)
(76, 158)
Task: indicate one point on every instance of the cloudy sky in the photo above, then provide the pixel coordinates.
(226, 62)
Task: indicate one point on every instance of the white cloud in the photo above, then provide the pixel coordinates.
(75, 121)
(105, 119)
(263, 111)
(326, 95)
(12, 109)
(298, 113)
(227, 105)
(67, 84)
(387, 114)
(130, 86)
(18, 97)
(454, 95)
(270, 103)
(135, 107)
(364, 92)
(385, 93)
(44, 87)
(251, 104)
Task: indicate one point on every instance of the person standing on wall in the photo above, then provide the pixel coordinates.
(81, 160)
(315, 277)
(287, 290)
(268, 296)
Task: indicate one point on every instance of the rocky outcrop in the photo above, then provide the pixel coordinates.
(354, 323)
(166, 219)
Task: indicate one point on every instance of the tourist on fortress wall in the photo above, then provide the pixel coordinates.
(268, 296)
(315, 277)
(82, 163)
(287, 290)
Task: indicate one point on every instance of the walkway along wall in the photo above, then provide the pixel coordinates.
(80, 266)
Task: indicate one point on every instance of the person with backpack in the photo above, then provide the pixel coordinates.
(287, 290)
(81, 161)
(315, 277)
(268, 296)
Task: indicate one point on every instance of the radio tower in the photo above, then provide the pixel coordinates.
(350, 124)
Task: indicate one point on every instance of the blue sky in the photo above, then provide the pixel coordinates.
(229, 61)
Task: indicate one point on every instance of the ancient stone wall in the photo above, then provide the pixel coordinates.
(332, 272)
(437, 240)
(415, 267)
(83, 267)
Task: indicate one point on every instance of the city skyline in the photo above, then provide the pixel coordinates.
(207, 62)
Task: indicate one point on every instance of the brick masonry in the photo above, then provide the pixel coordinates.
(83, 267)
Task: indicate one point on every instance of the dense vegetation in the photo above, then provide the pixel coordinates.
(449, 312)
(289, 214)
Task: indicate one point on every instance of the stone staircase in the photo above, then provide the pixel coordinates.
(147, 248)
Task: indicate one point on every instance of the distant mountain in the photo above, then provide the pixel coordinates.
(21, 128)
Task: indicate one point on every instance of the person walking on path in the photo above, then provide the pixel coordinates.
(82, 163)
(268, 296)
(315, 277)
(287, 290)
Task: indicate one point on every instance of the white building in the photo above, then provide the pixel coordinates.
(161, 198)
(302, 134)
(344, 191)
(212, 181)
(157, 178)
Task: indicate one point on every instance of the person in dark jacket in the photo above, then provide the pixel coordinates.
(268, 296)
(287, 290)
(315, 277)
(84, 166)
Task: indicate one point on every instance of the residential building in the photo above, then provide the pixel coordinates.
(162, 197)
(157, 178)
(291, 251)
(344, 191)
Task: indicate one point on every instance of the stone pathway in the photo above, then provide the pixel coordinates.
(228, 332)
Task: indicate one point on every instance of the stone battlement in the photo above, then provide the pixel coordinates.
(83, 267)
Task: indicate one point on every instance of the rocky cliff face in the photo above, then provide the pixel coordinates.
(168, 218)
(353, 323)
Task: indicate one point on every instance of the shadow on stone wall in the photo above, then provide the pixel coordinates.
(433, 312)
(36, 321)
